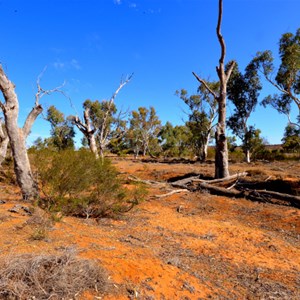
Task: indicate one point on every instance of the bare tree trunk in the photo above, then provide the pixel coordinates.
(17, 136)
(87, 130)
(101, 152)
(3, 149)
(19, 152)
(204, 148)
(248, 156)
(92, 144)
(221, 158)
(4, 144)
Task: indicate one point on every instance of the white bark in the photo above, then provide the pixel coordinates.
(17, 136)
(104, 130)
(87, 130)
(248, 156)
(4, 144)
(17, 139)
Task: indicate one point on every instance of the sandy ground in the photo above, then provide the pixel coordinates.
(184, 246)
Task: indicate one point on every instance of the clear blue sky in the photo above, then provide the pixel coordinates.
(91, 43)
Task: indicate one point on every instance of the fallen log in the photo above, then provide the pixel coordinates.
(148, 182)
(254, 195)
(291, 200)
(216, 190)
(182, 183)
(171, 193)
(228, 178)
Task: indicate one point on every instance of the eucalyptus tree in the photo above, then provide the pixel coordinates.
(62, 132)
(202, 116)
(101, 123)
(221, 157)
(144, 129)
(287, 78)
(243, 92)
(17, 136)
(174, 140)
(291, 138)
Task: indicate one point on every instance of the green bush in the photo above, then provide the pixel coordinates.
(75, 183)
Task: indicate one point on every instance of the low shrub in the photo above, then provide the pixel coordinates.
(75, 183)
(64, 276)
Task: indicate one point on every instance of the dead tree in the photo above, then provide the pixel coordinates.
(17, 136)
(221, 157)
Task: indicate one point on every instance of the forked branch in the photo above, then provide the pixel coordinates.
(38, 109)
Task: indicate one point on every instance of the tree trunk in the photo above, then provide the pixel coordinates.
(221, 156)
(92, 144)
(3, 149)
(204, 149)
(248, 156)
(21, 161)
(4, 143)
(17, 136)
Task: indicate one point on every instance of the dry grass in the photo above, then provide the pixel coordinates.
(31, 276)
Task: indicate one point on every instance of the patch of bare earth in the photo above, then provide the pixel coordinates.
(184, 246)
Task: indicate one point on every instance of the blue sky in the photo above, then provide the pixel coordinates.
(90, 44)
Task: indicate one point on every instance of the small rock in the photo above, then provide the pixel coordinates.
(18, 207)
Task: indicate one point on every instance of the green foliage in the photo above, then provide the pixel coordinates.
(253, 142)
(174, 141)
(291, 139)
(202, 114)
(237, 155)
(75, 183)
(101, 111)
(231, 143)
(102, 120)
(144, 129)
(243, 92)
(62, 132)
(287, 79)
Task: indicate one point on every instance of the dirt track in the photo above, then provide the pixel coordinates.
(184, 246)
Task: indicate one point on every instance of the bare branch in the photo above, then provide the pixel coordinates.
(219, 34)
(229, 71)
(289, 93)
(38, 109)
(206, 85)
(122, 83)
(41, 92)
(35, 112)
(104, 130)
